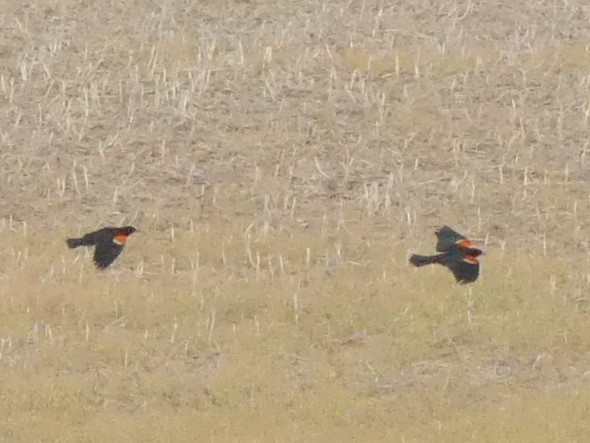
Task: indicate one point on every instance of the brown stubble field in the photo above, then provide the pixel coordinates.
(281, 160)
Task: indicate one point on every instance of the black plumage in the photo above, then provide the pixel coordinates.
(108, 243)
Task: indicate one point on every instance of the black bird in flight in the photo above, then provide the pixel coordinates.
(108, 243)
(457, 253)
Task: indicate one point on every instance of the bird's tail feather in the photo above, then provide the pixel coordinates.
(423, 260)
(74, 242)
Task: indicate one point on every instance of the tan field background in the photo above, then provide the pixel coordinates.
(281, 160)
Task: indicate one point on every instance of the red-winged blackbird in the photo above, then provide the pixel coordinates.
(458, 254)
(108, 243)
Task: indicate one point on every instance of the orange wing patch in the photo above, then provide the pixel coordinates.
(120, 239)
(472, 260)
(464, 243)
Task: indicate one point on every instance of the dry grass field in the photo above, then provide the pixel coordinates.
(281, 160)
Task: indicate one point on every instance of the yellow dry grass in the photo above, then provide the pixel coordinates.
(281, 161)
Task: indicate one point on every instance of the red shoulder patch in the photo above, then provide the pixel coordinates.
(120, 239)
(471, 259)
(464, 243)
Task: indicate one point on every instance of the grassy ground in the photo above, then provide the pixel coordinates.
(281, 161)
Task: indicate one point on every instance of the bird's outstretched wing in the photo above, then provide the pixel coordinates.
(448, 238)
(465, 270)
(105, 252)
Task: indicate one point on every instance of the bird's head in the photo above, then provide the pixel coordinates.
(127, 230)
